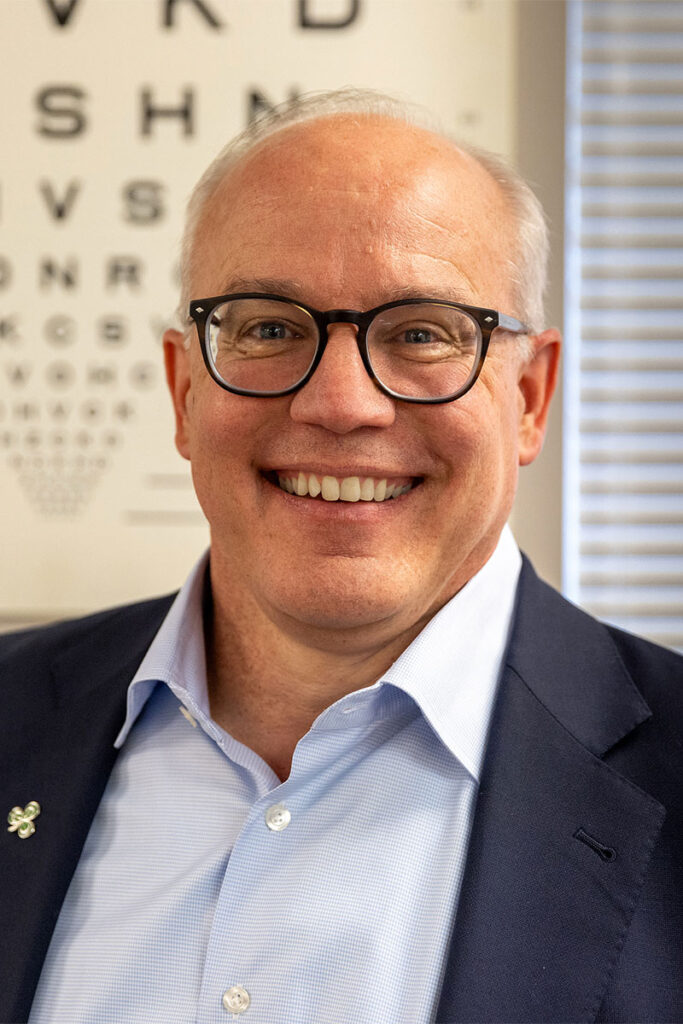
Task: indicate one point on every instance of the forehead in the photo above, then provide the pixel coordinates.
(362, 198)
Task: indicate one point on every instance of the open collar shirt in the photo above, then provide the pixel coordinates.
(209, 891)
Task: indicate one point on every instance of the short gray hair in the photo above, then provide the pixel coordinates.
(527, 264)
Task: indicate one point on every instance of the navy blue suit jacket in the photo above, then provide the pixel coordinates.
(572, 903)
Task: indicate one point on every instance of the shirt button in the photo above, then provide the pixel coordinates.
(236, 999)
(278, 817)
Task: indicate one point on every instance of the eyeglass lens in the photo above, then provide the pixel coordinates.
(426, 350)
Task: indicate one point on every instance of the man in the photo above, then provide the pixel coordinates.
(407, 782)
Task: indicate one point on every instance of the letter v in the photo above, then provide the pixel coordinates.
(61, 12)
(59, 208)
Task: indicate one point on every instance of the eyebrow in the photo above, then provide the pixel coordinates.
(410, 292)
(293, 290)
(276, 286)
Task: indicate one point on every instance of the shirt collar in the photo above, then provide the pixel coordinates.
(176, 656)
(451, 669)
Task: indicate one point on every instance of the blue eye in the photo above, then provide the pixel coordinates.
(272, 331)
(418, 336)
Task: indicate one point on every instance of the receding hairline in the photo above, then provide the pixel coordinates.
(232, 175)
(527, 265)
(355, 120)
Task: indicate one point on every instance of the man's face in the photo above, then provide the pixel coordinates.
(343, 213)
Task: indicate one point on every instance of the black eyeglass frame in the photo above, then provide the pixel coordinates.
(486, 320)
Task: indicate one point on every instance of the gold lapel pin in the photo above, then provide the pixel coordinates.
(21, 821)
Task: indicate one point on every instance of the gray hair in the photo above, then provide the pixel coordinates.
(527, 264)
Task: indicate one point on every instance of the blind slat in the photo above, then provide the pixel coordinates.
(624, 496)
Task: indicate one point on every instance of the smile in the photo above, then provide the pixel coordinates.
(348, 488)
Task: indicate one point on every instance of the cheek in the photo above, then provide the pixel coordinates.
(219, 421)
(220, 452)
(481, 439)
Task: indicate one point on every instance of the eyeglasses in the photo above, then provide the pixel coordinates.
(416, 350)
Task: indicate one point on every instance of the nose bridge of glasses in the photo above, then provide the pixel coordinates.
(343, 319)
(343, 316)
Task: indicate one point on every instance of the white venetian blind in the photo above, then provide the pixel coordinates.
(623, 549)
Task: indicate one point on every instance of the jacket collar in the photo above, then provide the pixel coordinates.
(542, 913)
(570, 663)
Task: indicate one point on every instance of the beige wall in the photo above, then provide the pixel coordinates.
(137, 528)
(537, 517)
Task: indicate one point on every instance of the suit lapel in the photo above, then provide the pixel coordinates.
(543, 912)
(59, 751)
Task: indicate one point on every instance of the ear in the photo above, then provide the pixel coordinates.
(177, 361)
(537, 380)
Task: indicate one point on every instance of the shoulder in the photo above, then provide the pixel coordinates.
(640, 654)
(538, 602)
(658, 673)
(619, 694)
(40, 645)
(556, 640)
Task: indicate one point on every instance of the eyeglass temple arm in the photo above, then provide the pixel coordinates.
(509, 323)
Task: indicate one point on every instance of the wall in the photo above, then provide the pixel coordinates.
(112, 119)
(539, 155)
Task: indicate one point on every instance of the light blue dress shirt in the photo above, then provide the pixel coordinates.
(209, 891)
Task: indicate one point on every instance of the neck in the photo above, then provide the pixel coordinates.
(267, 683)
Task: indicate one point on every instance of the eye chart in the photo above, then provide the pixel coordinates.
(111, 110)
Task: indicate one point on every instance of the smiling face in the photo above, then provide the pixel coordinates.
(349, 212)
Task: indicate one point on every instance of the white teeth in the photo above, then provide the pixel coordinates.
(330, 488)
(348, 488)
(367, 489)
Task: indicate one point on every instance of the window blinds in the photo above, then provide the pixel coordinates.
(623, 524)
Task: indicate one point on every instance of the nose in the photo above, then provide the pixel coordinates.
(341, 396)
